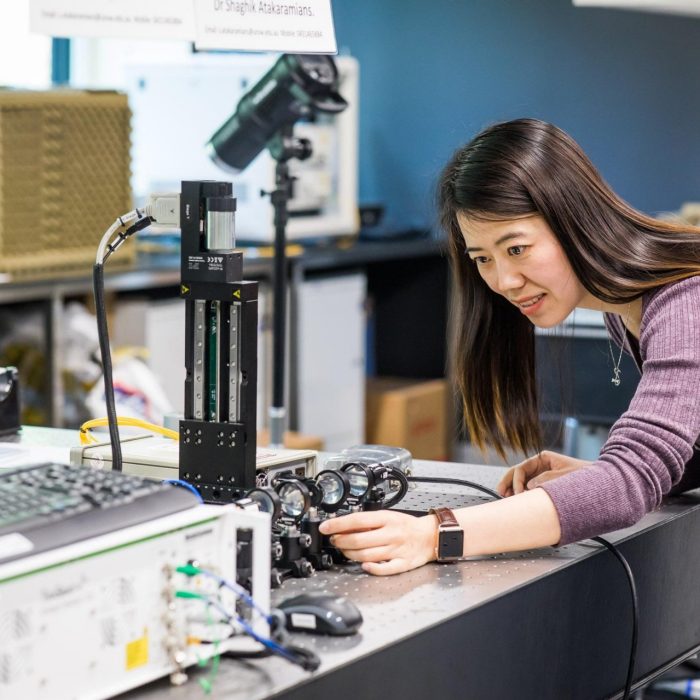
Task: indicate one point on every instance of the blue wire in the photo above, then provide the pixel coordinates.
(239, 591)
(269, 643)
(184, 485)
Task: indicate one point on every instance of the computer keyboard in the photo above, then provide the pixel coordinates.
(52, 505)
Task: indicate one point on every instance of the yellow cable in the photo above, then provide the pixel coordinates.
(86, 438)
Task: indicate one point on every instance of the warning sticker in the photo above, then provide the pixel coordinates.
(137, 652)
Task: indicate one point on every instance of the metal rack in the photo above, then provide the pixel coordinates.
(161, 272)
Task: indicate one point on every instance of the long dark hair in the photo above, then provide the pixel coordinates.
(526, 167)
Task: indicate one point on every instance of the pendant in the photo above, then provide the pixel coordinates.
(616, 379)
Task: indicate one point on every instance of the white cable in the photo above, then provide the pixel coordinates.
(99, 259)
(123, 222)
(162, 209)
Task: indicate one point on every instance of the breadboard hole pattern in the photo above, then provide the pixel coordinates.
(64, 178)
(394, 607)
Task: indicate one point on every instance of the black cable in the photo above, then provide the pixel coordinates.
(457, 482)
(635, 612)
(98, 287)
(300, 656)
(307, 659)
(260, 654)
(397, 475)
(112, 247)
(608, 545)
(390, 474)
(103, 336)
(138, 225)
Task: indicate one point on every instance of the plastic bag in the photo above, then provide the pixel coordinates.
(137, 392)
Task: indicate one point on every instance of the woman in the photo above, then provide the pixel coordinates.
(535, 233)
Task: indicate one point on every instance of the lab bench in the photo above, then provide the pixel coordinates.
(549, 623)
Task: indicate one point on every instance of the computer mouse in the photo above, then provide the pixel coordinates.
(321, 613)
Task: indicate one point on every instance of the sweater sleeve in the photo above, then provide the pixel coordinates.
(648, 447)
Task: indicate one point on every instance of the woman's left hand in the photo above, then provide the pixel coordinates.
(537, 470)
(384, 541)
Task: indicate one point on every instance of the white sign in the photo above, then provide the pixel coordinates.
(294, 26)
(134, 19)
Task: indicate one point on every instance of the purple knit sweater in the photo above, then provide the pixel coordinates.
(654, 446)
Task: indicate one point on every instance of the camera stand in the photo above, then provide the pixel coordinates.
(284, 147)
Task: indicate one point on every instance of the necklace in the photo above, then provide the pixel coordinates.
(616, 365)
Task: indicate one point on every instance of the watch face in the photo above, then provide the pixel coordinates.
(450, 544)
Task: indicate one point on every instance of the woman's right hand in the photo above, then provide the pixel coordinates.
(534, 471)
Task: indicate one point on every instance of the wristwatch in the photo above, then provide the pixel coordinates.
(450, 546)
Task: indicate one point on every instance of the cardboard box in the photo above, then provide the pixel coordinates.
(292, 440)
(408, 413)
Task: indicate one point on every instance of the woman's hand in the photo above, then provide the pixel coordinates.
(384, 541)
(535, 471)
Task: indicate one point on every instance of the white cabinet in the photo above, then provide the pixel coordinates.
(331, 359)
(158, 327)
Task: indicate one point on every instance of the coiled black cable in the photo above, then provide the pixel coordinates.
(389, 473)
(398, 476)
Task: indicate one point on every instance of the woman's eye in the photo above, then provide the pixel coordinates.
(480, 259)
(516, 250)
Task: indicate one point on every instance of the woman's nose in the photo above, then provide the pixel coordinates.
(508, 278)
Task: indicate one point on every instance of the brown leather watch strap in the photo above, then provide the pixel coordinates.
(445, 517)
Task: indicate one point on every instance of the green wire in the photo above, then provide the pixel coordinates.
(206, 683)
(190, 570)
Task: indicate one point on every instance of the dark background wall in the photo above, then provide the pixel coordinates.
(624, 84)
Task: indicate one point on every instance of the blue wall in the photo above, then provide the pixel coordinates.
(624, 84)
